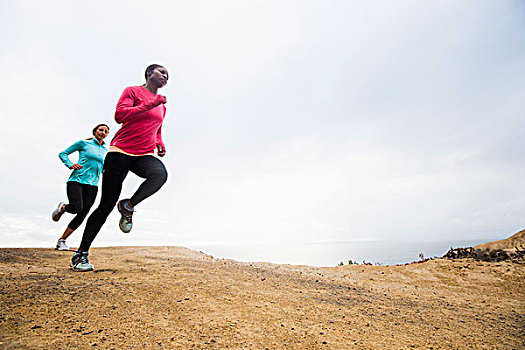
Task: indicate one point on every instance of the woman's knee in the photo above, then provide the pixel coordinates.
(107, 207)
(160, 175)
(74, 209)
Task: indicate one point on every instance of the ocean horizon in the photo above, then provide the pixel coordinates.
(377, 252)
(320, 254)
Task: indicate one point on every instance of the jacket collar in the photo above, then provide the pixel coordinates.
(95, 141)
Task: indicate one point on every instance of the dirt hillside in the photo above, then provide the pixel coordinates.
(508, 244)
(175, 298)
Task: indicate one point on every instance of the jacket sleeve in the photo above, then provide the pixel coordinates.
(77, 146)
(159, 138)
(126, 108)
(159, 135)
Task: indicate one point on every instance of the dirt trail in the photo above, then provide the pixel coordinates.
(175, 298)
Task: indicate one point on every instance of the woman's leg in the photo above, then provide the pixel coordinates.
(151, 169)
(66, 234)
(75, 196)
(116, 167)
(89, 194)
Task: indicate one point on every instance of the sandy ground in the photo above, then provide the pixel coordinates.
(175, 298)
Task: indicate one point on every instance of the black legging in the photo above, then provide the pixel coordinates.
(81, 198)
(116, 167)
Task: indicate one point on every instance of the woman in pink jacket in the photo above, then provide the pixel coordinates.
(141, 112)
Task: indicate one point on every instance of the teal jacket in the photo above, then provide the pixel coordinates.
(91, 156)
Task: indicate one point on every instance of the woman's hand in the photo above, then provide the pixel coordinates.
(76, 166)
(158, 100)
(161, 151)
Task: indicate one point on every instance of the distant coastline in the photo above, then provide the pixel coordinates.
(317, 253)
(381, 252)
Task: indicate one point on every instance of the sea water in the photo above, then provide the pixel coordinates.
(377, 252)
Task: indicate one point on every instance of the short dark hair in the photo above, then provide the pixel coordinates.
(150, 69)
(98, 126)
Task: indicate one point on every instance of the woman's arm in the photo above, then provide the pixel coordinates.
(126, 109)
(161, 148)
(77, 146)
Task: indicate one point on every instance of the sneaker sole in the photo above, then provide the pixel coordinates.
(119, 208)
(59, 215)
(82, 270)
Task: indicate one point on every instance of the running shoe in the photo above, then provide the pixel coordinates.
(57, 213)
(61, 245)
(80, 262)
(125, 223)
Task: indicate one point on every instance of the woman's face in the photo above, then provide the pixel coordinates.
(101, 132)
(159, 77)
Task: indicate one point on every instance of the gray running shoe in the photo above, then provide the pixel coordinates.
(61, 245)
(80, 262)
(125, 223)
(57, 213)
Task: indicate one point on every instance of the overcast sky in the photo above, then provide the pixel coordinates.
(287, 121)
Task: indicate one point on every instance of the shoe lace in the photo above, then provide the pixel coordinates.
(83, 259)
(128, 215)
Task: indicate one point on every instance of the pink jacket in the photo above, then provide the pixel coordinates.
(141, 114)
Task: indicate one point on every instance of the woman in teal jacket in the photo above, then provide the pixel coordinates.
(82, 185)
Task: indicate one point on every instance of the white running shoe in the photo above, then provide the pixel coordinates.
(61, 245)
(57, 213)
